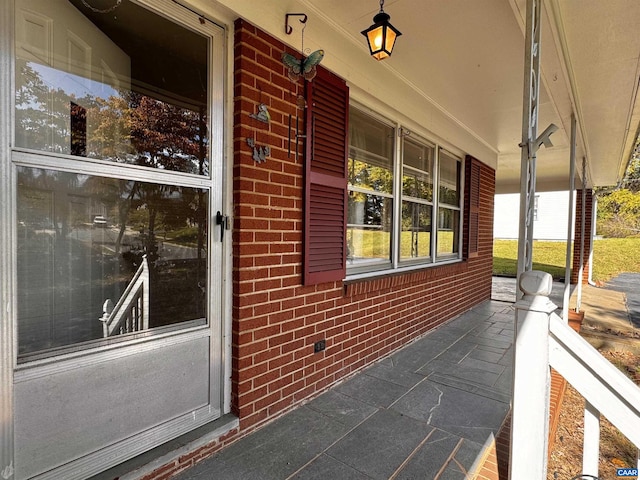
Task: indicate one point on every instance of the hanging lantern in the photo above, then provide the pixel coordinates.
(381, 36)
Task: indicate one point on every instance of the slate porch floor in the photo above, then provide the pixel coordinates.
(425, 412)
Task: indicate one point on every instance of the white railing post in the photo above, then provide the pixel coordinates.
(591, 442)
(107, 309)
(531, 378)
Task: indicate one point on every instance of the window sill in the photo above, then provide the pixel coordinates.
(386, 279)
(382, 272)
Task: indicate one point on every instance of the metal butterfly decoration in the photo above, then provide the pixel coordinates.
(305, 66)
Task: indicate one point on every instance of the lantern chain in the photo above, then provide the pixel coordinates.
(106, 10)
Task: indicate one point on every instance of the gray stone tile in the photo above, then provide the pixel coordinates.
(507, 359)
(494, 349)
(494, 393)
(479, 314)
(501, 341)
(430, 457)
(467, 457)
(479, 330)
(447, 334)
(493, 307)
(507, 327)
(389, 372)
(456, 352)
(502, 308)
(460, 412)
(495, 337)
(341, 408)
(273, 452)
(474, 363)
(325, 467)
(506, 337)
(468, 415)
(492, 342)
(421, 402)
(485, 355)
(456, 370)
(414, 356)
(372, 390)
(494, 329)
(504, 384)
(381, 444)
(451, 473)
(502, 326)
(466, 322)
(476, 377)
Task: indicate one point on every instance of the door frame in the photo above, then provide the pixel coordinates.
(7, 242)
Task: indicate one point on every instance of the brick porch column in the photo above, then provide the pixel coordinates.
(588, 209)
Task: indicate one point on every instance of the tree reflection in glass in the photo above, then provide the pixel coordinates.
(126, 127)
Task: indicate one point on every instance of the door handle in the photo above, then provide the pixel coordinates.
(223, 221)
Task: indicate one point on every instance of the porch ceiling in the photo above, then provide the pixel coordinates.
(459, 67)
(467, 57)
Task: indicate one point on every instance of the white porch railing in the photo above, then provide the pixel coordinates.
(544, 340)
(131, 313)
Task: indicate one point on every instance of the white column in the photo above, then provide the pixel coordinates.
(572, 186)
(531, 378)
(529, 133)
(594, 216)
(583, 219)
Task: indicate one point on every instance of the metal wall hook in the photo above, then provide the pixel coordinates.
(288, 29)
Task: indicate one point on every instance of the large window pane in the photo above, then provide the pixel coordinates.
(449, 179)
(417, 170)
(448, 232)
(83, 238)
(369, 227)
(370, 153)
(128, 87)
(370, 215)
(415, 236)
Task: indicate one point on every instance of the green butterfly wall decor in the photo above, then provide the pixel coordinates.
(305, 67)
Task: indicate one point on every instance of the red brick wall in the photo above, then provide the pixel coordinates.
(276, 320)
(588, 206)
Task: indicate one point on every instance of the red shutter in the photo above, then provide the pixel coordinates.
(325, 206)
(473, 205)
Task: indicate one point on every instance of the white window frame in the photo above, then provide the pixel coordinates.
(365, 269)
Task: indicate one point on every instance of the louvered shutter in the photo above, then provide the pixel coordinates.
(325, 207)
(473, 208)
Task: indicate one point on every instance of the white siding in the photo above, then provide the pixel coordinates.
(552, 216)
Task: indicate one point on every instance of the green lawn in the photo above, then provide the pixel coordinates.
(611, 256)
